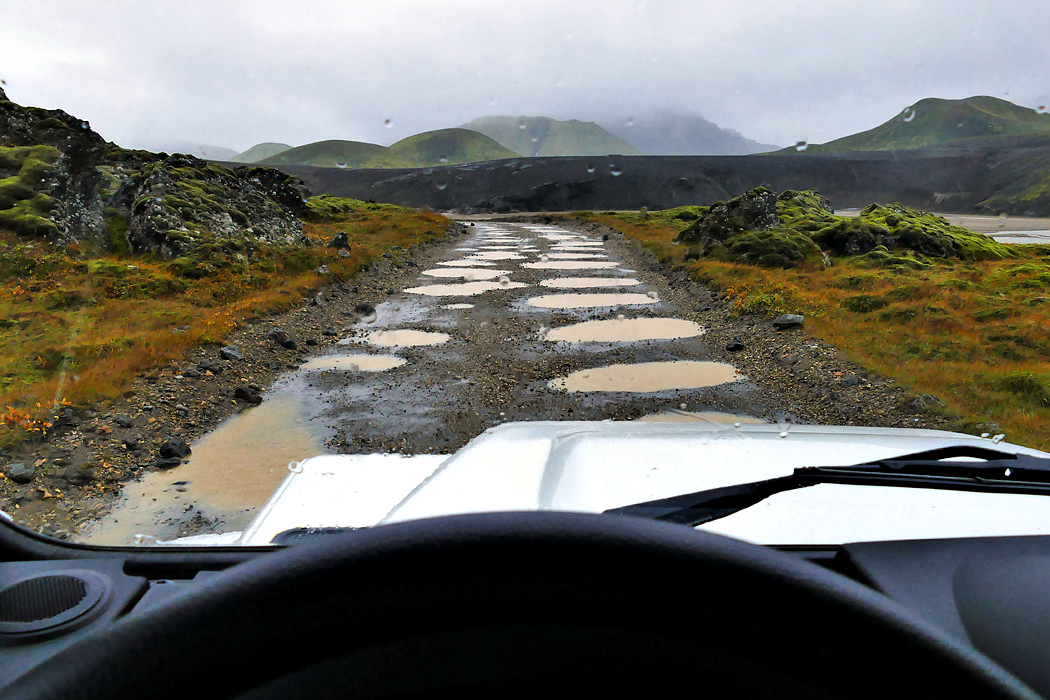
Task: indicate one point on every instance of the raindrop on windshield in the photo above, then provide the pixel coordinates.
(443, 159)
(295, 468)
(441, 185)
(535, 139)
(492, 102)
(340, 164)
(1041, 109)
(521, 125)
(909, 114)
(504, 281)
(590, 168)
(630, 121)
(388, 123)
(801, 146)
(614, 171)
(651, 295)
(371, 318)
(998, 438)
(544, 258)
(620, 317)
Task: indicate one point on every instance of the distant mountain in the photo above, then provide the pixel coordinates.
(260, 151)
(684, 134)
(191, 148)
(431, 148)
(543, 136)
(934, 122)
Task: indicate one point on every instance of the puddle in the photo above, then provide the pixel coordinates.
(570, 265)
(466, 289)
(466, 262)
(648, 376)
(406, 338)
(355, 363)
(699, 417)
(469, 274)
(575, 256)
(577, 301)
(231, 473)
(495, 255)
(586, 282)
(458, 306)
(577, 244)
(626, 330)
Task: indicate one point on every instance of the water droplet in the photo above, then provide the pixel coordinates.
(441, 185)
(443, 159)
(295, 467)
(590, 168)
(492, 102)
(388, 123)
(504, 281)
(614, 171)
(986, 435)
(544, 258)
(620, 317)
(1041, 109)
(736, 425)
(909, 115)
(521, 124)
(340, 164)
(144, 540)
(371, 318)
(998, 438)
(354, 367)
(1008, 472)
(535, 139)
(651, 294)
(959, 125)
(801, 146)
(630, 121)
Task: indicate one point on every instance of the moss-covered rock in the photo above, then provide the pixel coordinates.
(932, 235)
(881, 258)
(772, 248)
(752, 211)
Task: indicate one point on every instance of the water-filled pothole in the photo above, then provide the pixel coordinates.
(579, 301)
(405, 338)
(467, 262)
(588, 282)
(467, 289)
(626, 330)
(495, 255)
(354, 363)
(458, 306)
(647, 377)
(467, 273)
(576, 256)
(570, 265)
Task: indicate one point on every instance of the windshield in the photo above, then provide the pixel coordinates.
(236, 237)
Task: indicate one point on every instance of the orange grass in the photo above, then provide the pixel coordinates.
(976, 335)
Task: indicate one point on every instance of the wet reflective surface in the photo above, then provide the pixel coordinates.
(462, 290)
(406, 338)
(588, 282)
(648, 376)
(469, 274)
(626, 330)
(354, 363)
(571, 265)
(577, 301)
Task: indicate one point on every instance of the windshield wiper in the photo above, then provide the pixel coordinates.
(1000, 472)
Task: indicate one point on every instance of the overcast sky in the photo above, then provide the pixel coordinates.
(234, 74)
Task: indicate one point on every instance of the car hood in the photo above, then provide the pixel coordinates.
(595, 466)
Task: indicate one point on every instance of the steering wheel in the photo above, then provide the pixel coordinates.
(516, 603)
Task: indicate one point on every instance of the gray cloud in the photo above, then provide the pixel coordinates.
(237, 73)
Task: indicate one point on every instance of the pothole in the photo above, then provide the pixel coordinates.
(467, 262)
(405, 338)
(495, 255)
(467, 289)
(578, 301)
(588, 282)
(458, 306)
(626, 330)
(570, 265)
(647, 377)
(575, 256)
(355, 363)
(467, 273)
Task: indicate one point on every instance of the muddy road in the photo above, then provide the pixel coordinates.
(512, 321)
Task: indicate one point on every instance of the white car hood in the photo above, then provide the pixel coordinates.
(595, 466)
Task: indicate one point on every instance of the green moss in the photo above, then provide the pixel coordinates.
(116, 231)
(326, 207)
(1025, 385)
(864, 303)
(771, 248)
(23, 207)
(881, 258)
(805, 210)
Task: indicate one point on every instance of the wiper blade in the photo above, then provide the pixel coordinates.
(999, 472)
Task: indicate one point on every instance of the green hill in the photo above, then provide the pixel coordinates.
(935, 122)
(260, 151)
(431, 148)
(543, 136)
(449, 146)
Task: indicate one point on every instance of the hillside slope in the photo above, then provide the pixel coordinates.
(543, 136)
(260, 151)
(335, 153)
(934, 122)
(679, 134)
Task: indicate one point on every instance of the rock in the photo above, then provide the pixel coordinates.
(289, 344)
(212, 366)
(735, 345)
(181, 408)
(311, 341)
(786, 321)
(174, 447)
(318, 301)
(340, 240)
(192, 373)
(751, 211)
(231, 352)
(180, 329)
(850, 382)
(923, 403)
(605, 236)
(123, 420)
(278, 336)
(133, 442)
(323, 270)
(255, 387)
(168, 462)
(365, 309)
(247, 394)
(331, 330)
(989, 427)
(79, 475)
(391, 290)
(20, 472)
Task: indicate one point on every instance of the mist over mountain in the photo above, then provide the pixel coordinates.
(667, 133)
(190, 148)
(543, 136)
(260, 151)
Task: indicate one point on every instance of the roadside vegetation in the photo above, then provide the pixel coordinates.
(77, 324)
(969, 328)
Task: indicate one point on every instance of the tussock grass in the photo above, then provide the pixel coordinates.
(973, 333)
(77, 328)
